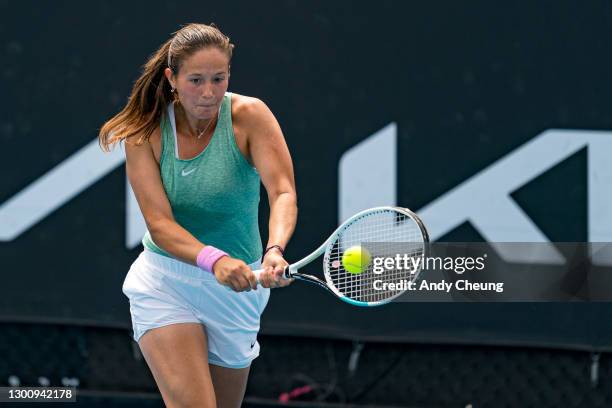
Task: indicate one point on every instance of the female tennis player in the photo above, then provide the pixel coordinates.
(195, 157)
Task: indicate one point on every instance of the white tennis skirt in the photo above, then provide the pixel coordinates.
(165, 291)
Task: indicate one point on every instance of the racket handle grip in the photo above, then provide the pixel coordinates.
(258, 273)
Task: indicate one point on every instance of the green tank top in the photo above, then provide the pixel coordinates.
(215, 195)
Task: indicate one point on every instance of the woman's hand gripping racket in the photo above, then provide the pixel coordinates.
(351, 256)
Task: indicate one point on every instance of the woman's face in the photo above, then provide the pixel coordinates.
(201, 82)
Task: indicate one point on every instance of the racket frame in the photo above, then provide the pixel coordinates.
(291, 271)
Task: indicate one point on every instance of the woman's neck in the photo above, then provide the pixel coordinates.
(193, 128)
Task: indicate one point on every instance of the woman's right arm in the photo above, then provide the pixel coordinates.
(145, 179)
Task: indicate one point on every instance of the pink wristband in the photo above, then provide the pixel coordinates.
(208, 256)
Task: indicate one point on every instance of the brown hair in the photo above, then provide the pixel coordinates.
(152, 92)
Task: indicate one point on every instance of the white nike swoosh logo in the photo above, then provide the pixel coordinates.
(186, 173)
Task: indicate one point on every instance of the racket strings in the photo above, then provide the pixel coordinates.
(383, 234)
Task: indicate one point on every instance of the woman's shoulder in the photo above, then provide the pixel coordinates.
(246, 108)
(152, 143)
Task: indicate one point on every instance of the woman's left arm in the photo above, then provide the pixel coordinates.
(270, 155)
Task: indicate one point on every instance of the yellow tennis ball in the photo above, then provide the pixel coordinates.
(356, 259)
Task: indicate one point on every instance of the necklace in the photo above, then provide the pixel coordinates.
(202, 132)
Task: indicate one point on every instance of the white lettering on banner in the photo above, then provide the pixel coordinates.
(368, 177)
(484, 199)
(367, 173)
(60, 185)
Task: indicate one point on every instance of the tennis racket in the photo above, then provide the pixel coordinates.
(384, 232)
